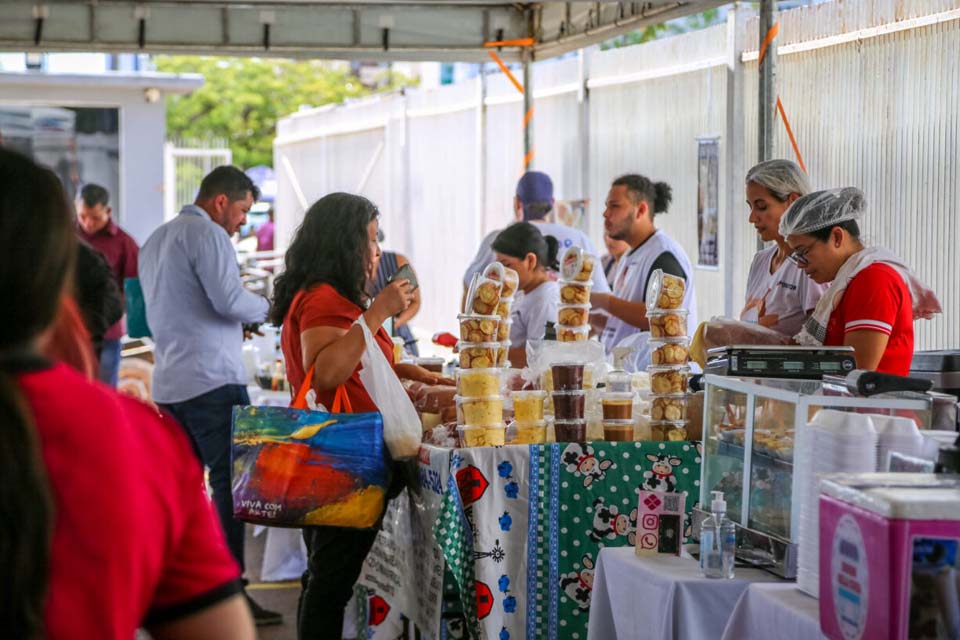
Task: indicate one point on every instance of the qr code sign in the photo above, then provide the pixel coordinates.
(671, 502)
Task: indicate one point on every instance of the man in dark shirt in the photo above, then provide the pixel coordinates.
(96, 227)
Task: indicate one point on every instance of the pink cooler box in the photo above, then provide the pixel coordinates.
(889, 556)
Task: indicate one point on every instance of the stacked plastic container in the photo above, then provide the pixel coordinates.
(669, 354)
(569, 401)
(510, 282)
(484, 344)
(573, 313)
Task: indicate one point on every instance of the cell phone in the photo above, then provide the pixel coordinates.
(406, 273)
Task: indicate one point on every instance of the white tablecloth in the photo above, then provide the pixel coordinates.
(661, 597)
(763, 607)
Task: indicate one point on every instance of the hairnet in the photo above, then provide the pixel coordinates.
(822, 209)
(781, 177)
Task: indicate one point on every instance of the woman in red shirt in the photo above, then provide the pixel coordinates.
(317, 299)
(873, 299)
(105, 526)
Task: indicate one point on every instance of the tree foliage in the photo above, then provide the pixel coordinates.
(242, 99)
(697, 21)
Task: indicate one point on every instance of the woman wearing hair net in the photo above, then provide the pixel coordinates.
(874, 298)
(780, 296)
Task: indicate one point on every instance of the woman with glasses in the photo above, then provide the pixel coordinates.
(779, 294)
(873, 299)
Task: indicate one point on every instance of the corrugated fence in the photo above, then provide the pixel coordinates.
(872, 89)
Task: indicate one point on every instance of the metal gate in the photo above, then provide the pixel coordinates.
(184, 168)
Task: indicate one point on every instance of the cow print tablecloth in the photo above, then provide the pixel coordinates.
(533, 519)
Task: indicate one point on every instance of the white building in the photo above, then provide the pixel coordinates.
(106, 127)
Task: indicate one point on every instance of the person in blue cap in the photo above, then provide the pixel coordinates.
(533, 202)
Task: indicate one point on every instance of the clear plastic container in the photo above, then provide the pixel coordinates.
(618, 430)
(431, 364)
(619, 381)
(665, 291)
(490, 435)
(503, 331)
(478, 383)
(669, 379)
(668, 408)
(574, 292)
(577, 265)
(503, 354)
(478, 328)
(529, 433)
(573, 315)
(479, 411)
(478, 355)
(528, 406)
(398, 345)
(617, 406)
(504, 308)
(668, 324)
(669, 351)
(567, 376)
(569, 405)
(572, 334)
(507, 276)
(570, 430)
(483, 296)
(668, 431)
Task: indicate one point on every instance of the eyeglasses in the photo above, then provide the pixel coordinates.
(799, 256)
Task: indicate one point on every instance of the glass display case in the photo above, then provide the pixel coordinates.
(751, 427)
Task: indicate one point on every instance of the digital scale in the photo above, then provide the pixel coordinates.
(776, 361)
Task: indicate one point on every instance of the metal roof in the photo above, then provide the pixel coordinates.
(370, 30)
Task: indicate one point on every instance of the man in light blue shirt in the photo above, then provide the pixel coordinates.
(196, 307)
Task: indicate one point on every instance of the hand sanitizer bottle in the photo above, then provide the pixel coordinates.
(718, 541)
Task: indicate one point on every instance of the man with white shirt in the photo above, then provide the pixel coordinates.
(534, 200)
(196, 308)
(632, 203)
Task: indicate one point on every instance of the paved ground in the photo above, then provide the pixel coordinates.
(276, 596)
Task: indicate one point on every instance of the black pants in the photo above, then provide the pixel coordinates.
(209, 418)
(335, 558)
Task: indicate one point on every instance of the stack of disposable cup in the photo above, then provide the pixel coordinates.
(479, 399)
(669, 352)
(837, 441)
(573, 313)
(896, 434)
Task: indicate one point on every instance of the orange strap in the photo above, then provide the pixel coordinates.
(520, 42)
(774, 30)
(771, 34)
(503, 67)
(341, 400)
(793, 140)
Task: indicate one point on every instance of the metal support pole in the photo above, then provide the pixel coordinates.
(527, 111)
(734, 147)
(528, 150)
(767, 95)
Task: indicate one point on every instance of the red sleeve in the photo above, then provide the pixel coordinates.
(873, 300)
(198, 570)
(322, 306)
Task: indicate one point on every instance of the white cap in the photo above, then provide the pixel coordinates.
(719, 505)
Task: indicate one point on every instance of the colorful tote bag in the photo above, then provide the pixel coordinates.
(294, 467)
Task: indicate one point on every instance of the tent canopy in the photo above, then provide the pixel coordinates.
(452, 30)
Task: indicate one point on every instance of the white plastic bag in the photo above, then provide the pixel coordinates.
(401, 424)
